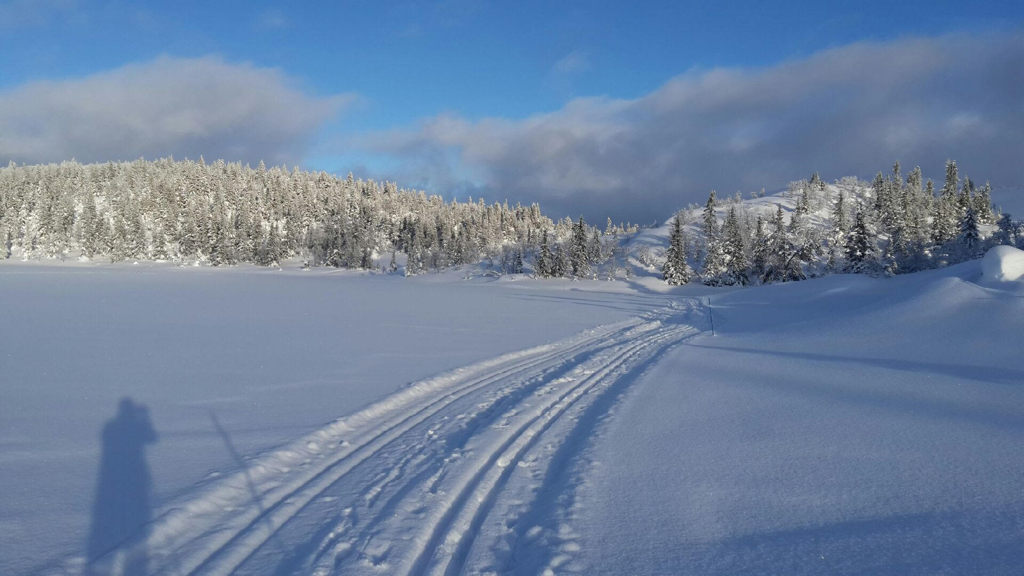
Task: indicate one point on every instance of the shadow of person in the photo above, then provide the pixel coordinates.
(122, 509)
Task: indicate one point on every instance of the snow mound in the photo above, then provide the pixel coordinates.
(1003, 264)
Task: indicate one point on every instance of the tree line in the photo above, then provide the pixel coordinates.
(894, 225)
(226, 213)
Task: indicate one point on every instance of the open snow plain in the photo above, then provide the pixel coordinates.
(843, 425)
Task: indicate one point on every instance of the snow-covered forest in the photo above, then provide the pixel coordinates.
(225, 213)
(893, 225)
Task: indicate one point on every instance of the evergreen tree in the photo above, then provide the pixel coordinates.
(736, 257)
(983, 205)
(965, 201)
(969, 237)
(1005, 234)
(562, 265)
(840, 229)
(859, 249)
(413, 253)
(89, 228)
(952, 181)
(761, 251)
(710, 219)
(803, 207)
(594, 248)
(580, 250)
(878, 188)
(676, 271)
(545, 265)
(945, 211)
(714, 270)
(816, 182)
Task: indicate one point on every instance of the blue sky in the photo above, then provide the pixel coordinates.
(372, 74)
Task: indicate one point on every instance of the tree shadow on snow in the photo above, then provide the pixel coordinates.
(123, 506)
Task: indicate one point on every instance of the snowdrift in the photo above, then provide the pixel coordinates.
(1003, 264)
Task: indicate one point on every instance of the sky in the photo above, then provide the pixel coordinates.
(622, 109)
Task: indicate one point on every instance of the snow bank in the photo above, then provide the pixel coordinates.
(1003, 264)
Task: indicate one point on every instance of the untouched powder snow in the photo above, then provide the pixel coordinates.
(843, 425)
(1003, 264)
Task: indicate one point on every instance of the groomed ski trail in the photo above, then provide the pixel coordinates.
(414, 483)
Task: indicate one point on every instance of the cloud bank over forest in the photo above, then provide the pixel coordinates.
(850, 110)
(168, 106)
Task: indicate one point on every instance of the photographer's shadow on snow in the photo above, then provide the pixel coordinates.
(122, 509)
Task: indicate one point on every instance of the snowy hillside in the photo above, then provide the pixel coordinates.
(811, 229)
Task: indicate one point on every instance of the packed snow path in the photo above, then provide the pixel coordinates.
(451, 475)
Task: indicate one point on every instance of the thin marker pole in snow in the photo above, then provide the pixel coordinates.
(712, 314)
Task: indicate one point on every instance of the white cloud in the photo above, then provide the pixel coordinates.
(846, 111)
(169, 106)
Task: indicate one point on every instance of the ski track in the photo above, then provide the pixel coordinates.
(435, 479)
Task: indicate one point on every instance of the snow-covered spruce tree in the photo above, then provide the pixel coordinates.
(579, 255)
(1006, 232)
(761, 250)
(816, 182)
(676, 271)
(89, 229)
(965, 200)
(786, 251)
(803, 207)
(969, 239)
(713, 270)
(544, 265)
(916, 207)
(709, 219)
(563, 265)
(595, 254)
(516, 263)
(840, 227)
(945, 214)
(860, 250)
(983, 205)
(736, 269)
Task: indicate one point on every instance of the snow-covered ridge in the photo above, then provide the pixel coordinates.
(812, 228)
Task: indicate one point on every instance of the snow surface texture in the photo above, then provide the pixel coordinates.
(834, 426)
(1003, 264)
(231, 363)
(838, 425)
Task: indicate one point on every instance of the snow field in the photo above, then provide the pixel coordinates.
(841, 425)
(232, 364)
(845, 424)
